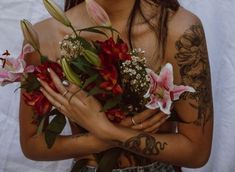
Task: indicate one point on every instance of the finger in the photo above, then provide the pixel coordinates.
(62, 108)
(149, 122)
(55, 103)
(155, 127)
(72, 88)
(126, 122)
(56, 80)
(139, 118)
(58, 97)
(60, 87)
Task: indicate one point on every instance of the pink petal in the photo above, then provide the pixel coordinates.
(147, 95)
(166, 76)
(153, 82)
(165, 104)
(97, 13)
(26, 50)
(29, 69)
(178, 90)
(152, 75)
(4, 74)
(7, 78)
(153, 104)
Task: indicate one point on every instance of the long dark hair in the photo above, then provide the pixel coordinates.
(165, 6)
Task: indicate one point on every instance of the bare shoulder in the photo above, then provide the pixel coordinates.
(48, 33)
(182, 21)
(185, 31)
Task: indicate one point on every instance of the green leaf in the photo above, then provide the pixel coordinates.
(111, 103)
(55, 127)
(90, 80)
(109, 160)
(41, 125)
(43, 59)
(85, 44)
(79, 165)
(93, 30)
(101, 27)
(83, 65)
(31, 84)
(95, 90)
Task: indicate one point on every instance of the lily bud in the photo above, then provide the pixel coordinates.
(69, 73)
(92, 58)
(97, 13)
(30, 35)
(56, 12)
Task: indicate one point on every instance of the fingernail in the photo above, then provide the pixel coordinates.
(48, 69)
(39, 79)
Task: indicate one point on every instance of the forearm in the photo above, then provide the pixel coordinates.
(175, 149)
(65, 147)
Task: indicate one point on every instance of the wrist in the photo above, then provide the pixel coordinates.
(119, 134)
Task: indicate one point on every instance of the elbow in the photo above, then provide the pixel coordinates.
(30, 151)
(198, 158)
(200, 161)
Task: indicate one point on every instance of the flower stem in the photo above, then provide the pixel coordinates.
(74, 30)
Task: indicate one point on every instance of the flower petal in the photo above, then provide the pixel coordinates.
(166, 77)
(178, 90)
(165, 104)
(97, 13)
(153, 104)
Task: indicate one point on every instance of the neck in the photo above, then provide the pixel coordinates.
(117, 9)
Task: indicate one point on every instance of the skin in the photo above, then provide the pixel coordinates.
(183, 148)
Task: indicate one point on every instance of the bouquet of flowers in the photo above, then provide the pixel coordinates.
(108, 70)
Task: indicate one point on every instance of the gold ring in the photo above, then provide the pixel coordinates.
(66, 92)
(133, 121)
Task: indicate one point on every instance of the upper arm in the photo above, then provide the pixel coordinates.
(26, 115)
(189, 56)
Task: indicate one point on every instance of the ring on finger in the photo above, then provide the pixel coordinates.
(65, 83)
(133, 121)
(65, 93)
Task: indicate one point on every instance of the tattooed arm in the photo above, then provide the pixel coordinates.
(190, 146)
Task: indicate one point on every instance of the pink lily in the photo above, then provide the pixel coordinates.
(12, 69)
(97, 13)
(162, 91)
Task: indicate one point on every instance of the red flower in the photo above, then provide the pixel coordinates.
(115, 115)
(110, 75)
(111, 54)
(38, 101)
(35, 98)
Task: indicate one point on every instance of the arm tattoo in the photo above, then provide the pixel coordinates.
(144, 144)
(192, 58)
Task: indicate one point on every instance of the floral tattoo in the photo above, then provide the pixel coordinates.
(144, 144)
(192, 58)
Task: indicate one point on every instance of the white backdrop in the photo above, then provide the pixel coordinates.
(218, 19)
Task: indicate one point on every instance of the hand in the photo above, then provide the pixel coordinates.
(76, 105)
(148, 121)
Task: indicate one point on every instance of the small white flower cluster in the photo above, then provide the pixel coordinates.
(134, 75)
(70, 47)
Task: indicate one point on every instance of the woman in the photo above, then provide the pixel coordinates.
(168, 33)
